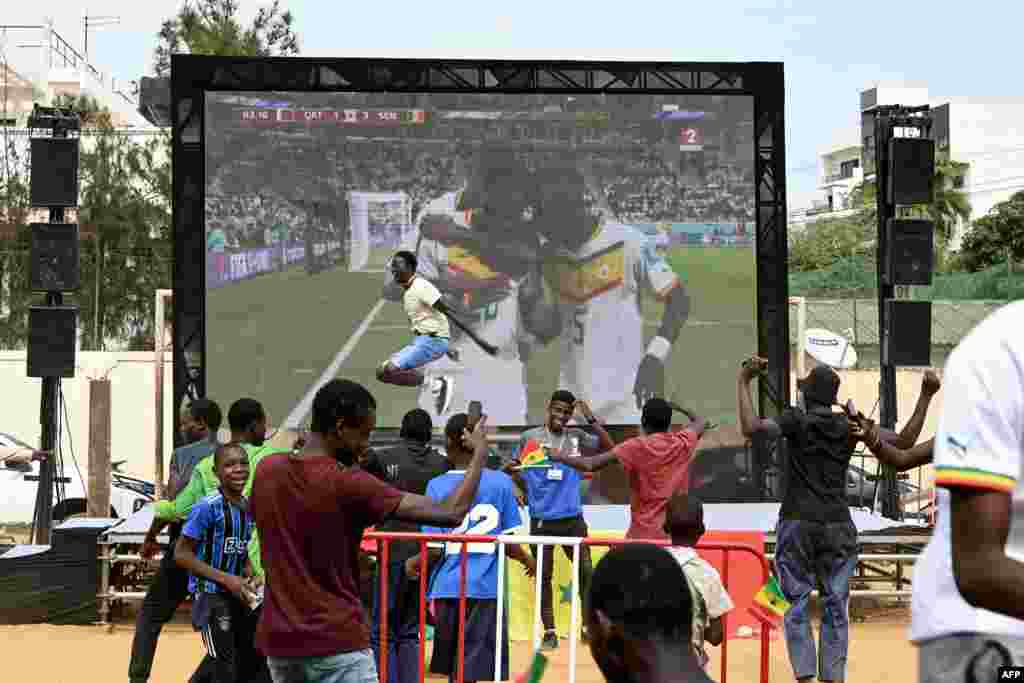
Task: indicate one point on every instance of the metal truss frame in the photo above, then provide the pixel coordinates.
(192, 76)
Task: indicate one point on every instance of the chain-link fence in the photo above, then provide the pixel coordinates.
(843, 299)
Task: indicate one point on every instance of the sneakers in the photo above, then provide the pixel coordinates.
(550, 641)
(443, 389)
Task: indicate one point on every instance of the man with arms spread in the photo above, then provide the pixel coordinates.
(494, 512)
(312, 508)
(169, 588)
(968, 602)
(553, 493)
(599, 272)
(639, 613)
(657, 462)
(816, 538)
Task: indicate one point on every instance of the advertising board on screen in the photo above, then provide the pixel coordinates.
(621, 217)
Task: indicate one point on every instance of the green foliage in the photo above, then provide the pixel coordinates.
(213, 27)
(822, 243)
(996, 236)
(853, 277)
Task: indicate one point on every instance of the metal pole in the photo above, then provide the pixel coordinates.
(158, 391)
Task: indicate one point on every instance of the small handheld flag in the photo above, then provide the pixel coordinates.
(770, 605)
(535, 455)
(536, 671)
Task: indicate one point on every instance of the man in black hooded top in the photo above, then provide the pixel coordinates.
(408, 467)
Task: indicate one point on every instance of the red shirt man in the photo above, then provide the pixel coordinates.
(657, 462)
(311, 510)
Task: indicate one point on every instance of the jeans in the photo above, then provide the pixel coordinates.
(808, 554)
(423, 349)
(403, 641)
(348, 667)
(166, 592)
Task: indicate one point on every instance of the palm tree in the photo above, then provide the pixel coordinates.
(950, 206)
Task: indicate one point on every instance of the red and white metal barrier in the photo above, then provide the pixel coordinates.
(383, 541)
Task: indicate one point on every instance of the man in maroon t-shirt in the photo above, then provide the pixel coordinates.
(657, 462)
(311, 509)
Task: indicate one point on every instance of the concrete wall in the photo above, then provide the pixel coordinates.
(132, 397)
(132, 389)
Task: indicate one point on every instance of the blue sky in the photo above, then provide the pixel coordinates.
(831, 50)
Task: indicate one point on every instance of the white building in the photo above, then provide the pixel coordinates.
(37, 65)
(986, 134)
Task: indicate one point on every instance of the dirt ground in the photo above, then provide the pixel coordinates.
(879, 653)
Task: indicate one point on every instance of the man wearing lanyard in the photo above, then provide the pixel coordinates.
(553, 493)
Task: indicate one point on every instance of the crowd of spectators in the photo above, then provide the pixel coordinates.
(640, 189)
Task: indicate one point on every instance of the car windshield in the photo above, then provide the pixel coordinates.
(13, 441)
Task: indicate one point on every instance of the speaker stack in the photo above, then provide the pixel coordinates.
(53, 270)
(903, 157)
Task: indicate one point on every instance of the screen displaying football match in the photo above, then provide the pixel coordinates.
(602, 244)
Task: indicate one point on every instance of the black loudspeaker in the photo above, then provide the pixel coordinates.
(909, 342)
(911, 170)
(52, 332)
(54, 266)
(54, 172)
(910, 252)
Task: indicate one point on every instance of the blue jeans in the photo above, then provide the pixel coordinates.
(348, 667)
(403, 641)
(808, 554)
(423, 349)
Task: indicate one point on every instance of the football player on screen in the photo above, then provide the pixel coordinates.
(599, 269)
(478, 247)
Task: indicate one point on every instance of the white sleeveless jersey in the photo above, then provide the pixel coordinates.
(476, 374)
(602, 341)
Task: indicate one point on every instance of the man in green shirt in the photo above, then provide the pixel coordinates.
(248, 423)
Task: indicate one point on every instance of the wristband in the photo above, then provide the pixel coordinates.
(659, 348)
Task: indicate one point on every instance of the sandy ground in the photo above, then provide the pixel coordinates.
(879, 653)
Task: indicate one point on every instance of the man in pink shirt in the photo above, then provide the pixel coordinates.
(657, 462)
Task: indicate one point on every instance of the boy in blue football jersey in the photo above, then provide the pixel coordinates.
(494, 512)
(213, 548)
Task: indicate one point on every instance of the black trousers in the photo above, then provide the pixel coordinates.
(167, 591)
(229, 637)
(569, 526)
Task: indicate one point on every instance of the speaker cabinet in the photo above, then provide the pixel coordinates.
(909, 252)
(52, 333)
(909, 342)
(54, 265)
(911, 170)
(54, 180)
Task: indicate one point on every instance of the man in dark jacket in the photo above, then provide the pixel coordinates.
(408, 467)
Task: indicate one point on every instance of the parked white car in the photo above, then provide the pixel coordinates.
(19, 481)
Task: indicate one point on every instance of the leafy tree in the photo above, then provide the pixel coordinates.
(828, 240)
(996, 236)
(950, 205)
(213, 27)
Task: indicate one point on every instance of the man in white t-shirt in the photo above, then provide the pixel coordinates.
(968, 602)
(426, 310)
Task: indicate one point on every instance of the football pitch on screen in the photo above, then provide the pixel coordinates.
(274, 336)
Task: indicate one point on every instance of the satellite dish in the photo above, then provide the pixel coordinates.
(829, 348)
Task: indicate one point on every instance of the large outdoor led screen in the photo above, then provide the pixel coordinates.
(569, 231)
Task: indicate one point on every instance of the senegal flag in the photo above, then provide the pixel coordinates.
(534, 455)
(770, 605)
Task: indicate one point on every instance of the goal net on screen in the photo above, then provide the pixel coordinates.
(380, 224)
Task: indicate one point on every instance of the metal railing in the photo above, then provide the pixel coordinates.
(384, 540)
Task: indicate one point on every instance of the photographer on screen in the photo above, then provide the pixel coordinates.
(816, 540)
